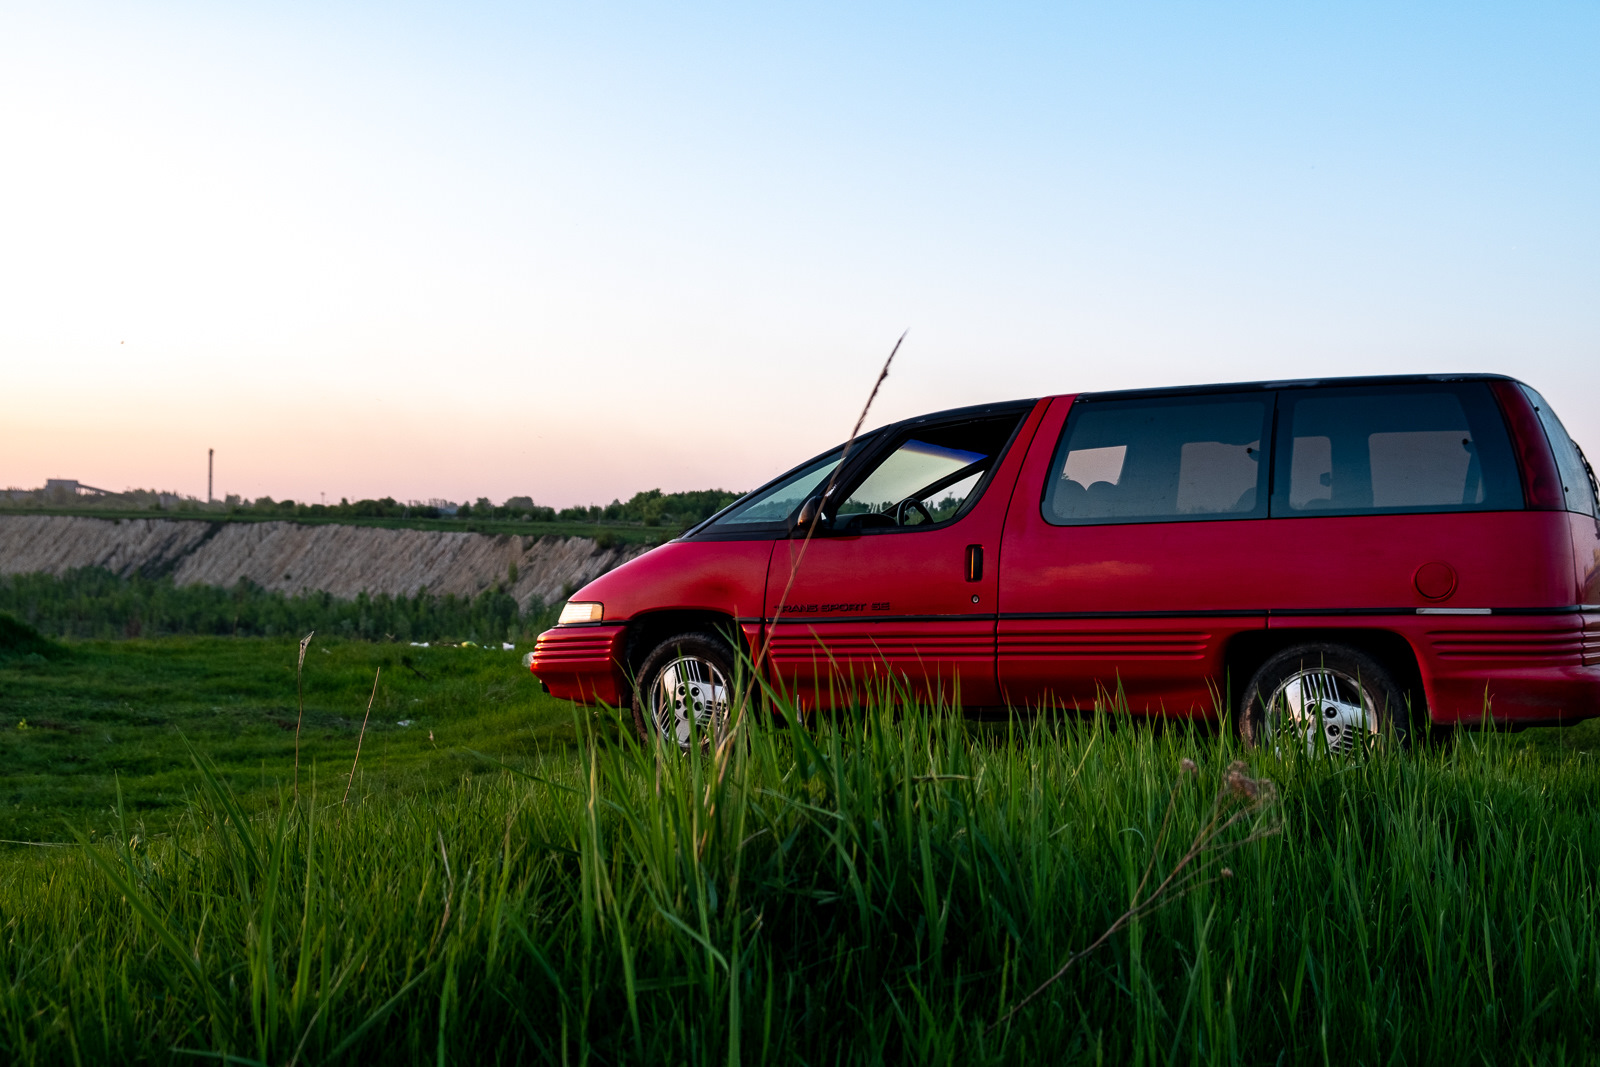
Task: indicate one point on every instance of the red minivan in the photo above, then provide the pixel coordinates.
(1324, 559)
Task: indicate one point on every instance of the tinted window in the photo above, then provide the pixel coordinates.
(1170, 459)
(1393, 449)
(1569, 461)
(774, 504)
(928, 476)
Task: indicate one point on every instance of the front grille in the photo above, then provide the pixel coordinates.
(557, 648)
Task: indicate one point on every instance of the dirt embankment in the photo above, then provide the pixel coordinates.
(288, 557)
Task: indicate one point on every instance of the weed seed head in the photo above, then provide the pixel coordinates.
(1256, 792)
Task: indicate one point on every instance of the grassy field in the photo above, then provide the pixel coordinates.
(90, 602)
(882, 886)
(110, 715)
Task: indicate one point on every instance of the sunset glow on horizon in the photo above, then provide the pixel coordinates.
(573, 253)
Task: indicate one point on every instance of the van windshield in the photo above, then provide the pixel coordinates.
(776, 503)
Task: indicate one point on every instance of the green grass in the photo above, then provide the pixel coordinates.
(875, 887)
(74, 728)
(90, 602)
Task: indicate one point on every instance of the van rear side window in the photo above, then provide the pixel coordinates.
(1569, 461)
(1386, 449)
(1168, 459)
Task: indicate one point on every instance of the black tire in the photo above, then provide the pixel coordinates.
(684, 691)
(1351, 698)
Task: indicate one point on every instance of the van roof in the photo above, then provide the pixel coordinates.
(1010, 406)
(1295, 383)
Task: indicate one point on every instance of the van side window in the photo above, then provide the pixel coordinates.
(1569, 461)
(927, 478)
(1167, 459)
(1393, 449)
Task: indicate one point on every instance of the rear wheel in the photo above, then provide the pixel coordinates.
(1322, 698)
(685, 691)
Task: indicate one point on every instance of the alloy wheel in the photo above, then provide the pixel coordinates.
(690, 699)
(1327, 709)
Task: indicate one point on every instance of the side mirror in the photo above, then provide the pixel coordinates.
(810, 511)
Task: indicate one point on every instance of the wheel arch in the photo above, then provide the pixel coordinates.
(1246, 652)
(648, 630)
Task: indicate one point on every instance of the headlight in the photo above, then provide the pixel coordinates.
(577, 611)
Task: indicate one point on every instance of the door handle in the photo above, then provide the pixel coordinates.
(974, 563)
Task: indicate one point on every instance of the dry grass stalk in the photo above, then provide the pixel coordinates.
(299, 692)
(833, 479)
(449, 892)
(1238, 798)
(726, 743)
(363, 736)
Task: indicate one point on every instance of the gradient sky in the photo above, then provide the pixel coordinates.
(576, 251)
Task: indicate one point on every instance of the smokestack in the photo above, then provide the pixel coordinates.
(210, 466)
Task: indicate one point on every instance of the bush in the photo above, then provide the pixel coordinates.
(17, 638)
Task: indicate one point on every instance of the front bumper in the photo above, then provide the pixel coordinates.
(583, 663)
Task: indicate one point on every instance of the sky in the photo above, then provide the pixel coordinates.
(577, 251)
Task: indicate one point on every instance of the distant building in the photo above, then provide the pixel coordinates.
(71, 486)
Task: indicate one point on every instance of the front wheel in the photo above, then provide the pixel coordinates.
(1322, 698)
(685, 691)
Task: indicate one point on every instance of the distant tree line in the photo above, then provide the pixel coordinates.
(655, 508)
(649, 508)
(93, 603)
